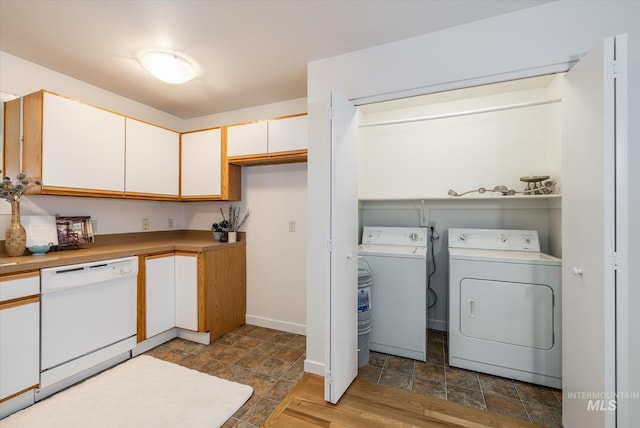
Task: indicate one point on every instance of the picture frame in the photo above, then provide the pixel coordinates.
(74, 231)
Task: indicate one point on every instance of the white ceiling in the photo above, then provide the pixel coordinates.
(251, 52)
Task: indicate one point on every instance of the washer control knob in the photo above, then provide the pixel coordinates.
(463, 238)
(527, 241)
(577, 271)
(413, 237)
(503, 238)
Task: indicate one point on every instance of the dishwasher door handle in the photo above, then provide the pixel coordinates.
(58, 272)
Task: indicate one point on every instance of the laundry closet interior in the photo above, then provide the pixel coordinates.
(413, 151)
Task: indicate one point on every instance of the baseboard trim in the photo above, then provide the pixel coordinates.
(289, 327)
(314, 367)
(154, 341)
(203, 338)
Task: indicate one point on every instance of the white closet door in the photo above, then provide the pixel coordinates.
(341, 349)
(588, 240)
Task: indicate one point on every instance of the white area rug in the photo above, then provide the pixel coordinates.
(141, 392)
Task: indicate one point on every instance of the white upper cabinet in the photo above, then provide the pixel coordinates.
(83, 147)
(248, 139)
(152, 160)
(288, 134)
(269, 141)
(201, 164)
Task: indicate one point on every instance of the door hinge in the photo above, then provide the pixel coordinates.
(617, 261)
(328, 378)
(329, 245)
(331, 113)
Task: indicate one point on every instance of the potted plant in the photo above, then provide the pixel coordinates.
(219, 229)
(234, 222)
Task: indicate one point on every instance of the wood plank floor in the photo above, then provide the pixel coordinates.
(367, 404)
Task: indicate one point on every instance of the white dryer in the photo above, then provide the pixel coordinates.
(397, 258)
(504, 305)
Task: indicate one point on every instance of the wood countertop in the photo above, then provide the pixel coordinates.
(120, 245)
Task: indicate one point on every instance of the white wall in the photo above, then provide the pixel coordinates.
(22, 77)
(529, 42)
(424, 159)
(276, 280)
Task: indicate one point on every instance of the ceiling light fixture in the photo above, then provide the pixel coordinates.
(168, 66)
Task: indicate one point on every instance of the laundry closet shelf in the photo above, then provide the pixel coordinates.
(466, 198)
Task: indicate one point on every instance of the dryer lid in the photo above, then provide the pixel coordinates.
(499, 256)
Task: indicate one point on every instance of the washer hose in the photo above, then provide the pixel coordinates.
(433, 261)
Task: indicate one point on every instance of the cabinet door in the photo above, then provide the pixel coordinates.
(152, 160)
(288, 134)
(19, 346)
(160, 294)
(82, 146)
(186, 280)
(249, 139)
(202, 164)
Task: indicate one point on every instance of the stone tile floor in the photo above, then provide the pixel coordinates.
(521, 400)
(272, 362)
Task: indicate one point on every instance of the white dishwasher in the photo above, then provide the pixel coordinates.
(88, 317)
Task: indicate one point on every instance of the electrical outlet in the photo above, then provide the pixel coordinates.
(292, 226)
(170, 223)
(145, 224)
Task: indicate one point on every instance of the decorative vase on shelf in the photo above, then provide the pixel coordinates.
(15, 236)
(232, 236)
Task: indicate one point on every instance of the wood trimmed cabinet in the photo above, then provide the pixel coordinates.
(65, 140)
(205, 174)
(77, 149)
(281, 140)
(19, 334)
(159, 299)
(209, 291)
(155, 180)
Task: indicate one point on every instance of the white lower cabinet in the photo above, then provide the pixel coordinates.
(19, 333)
(186, 283)
(171, 297)
(160, 301)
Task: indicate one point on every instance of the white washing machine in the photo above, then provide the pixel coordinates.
(504, 305)
(397, 258)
